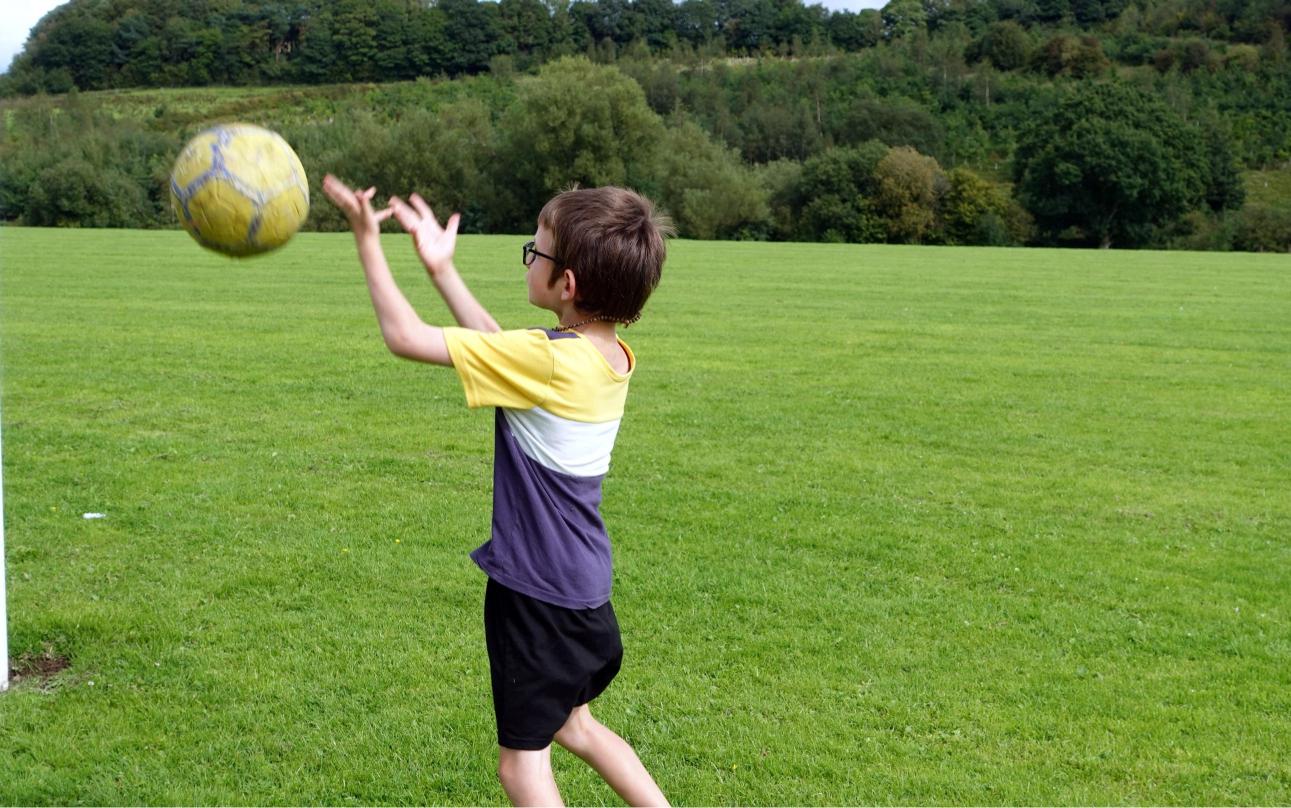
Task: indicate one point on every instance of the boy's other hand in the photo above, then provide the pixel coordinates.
(435, 244)
(357, 206)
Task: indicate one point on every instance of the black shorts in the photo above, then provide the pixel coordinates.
(544, 661)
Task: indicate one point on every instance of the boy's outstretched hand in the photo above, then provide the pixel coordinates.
(357, 206)
(435, 244)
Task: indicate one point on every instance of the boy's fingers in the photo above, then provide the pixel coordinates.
(453, 221)
(384, 213)
(400, 207)
(335, 188)
(338, 196)
(362, 198)
(422, 207)
(406, 215)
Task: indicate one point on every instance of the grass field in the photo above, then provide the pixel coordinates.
(892, 525)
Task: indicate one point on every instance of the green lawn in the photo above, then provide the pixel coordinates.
(892, 525)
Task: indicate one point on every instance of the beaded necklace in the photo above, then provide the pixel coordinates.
(624, 323)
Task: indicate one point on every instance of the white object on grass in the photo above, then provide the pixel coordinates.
(4, 617)
(95, 516)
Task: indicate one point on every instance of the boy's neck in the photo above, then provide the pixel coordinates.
(588, 325)
(600, 330)
(597, 329)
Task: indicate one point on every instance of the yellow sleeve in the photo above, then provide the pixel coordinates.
(504, 368)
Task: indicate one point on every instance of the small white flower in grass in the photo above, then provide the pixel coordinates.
(94, 516)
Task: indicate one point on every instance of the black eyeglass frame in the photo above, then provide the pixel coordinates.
(529, 253)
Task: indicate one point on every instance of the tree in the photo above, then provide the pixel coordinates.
(315, 62)
(909, 184)
(1081, 57)
(354, 27)
(773, 129)
(852, 32)
(903, 17)
(1110, 162)
(1005, 44)
(575, 122)
(1224, 187)
(428, 51)
(704, 186)
(895, 120)
(696, 21)
(973, 211)
(833, 195)
(655, 22)
(748, 25)
(81, 44)
(1049, 11)
(472, 29)
(780, 180)
(525, 28)
(191, 53)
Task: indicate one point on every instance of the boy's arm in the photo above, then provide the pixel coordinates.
(435, 246)
(404, 332)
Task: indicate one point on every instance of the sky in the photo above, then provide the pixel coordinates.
(16, 19)
(18, 16)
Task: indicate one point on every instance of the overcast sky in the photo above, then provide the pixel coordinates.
(18, 16)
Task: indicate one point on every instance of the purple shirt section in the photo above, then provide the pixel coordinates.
(549, 541)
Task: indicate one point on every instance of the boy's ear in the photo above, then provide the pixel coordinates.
(570, 290)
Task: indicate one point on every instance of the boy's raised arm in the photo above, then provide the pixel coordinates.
(435, 245)
(404, 332)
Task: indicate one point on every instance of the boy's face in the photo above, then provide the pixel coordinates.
(542, 294)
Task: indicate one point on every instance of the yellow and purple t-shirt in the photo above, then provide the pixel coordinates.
(559, 403)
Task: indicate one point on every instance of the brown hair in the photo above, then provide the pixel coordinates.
(613, 241)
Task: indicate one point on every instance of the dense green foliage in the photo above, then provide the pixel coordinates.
(496, 150)
(735, 148)
(1110, 163)
(1011, 529)
(102, 44)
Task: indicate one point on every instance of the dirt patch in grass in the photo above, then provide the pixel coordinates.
(38, 668)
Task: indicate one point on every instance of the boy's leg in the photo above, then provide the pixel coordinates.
(526, 776)
(611, 756)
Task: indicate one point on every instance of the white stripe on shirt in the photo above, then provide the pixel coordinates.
(575, 448)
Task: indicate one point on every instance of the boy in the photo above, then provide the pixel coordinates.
(552, 637)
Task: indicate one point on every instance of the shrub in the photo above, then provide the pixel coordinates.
(1263, 229)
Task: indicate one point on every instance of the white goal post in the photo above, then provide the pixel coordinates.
(4, 615)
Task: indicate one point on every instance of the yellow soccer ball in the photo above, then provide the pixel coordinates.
(239, 189)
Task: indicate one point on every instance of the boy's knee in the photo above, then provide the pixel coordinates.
(515, 765)
(577, 733)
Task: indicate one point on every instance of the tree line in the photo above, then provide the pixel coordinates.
(957, 128)
(97, 44)
(1108, 165)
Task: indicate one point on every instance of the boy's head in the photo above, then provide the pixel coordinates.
(612, 239)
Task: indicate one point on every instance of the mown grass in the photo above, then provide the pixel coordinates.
(892, 525)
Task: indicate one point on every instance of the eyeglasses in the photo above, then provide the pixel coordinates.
(530, 254)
